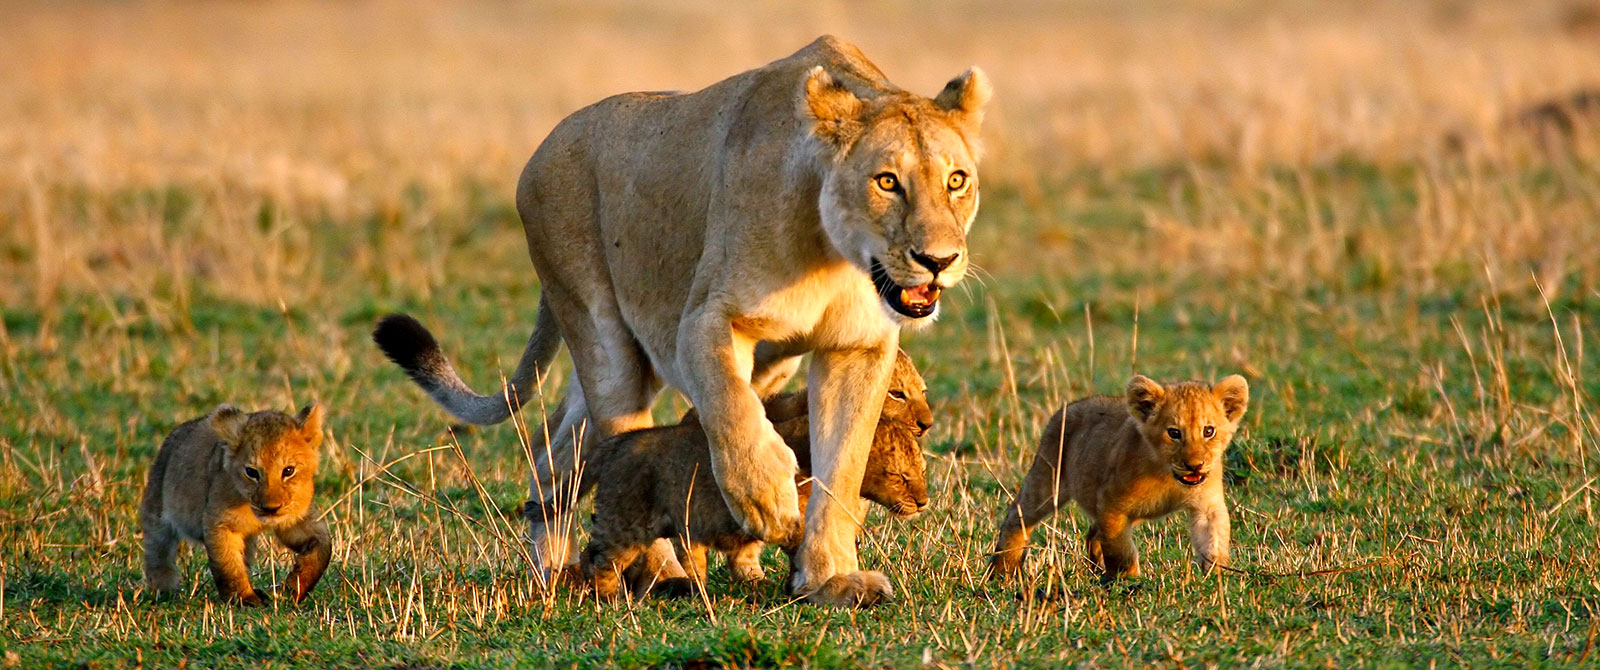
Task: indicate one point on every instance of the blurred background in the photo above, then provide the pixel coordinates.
(125, 123)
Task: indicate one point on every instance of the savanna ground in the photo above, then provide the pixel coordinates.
(206, 202)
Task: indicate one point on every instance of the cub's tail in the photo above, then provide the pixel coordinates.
(406, 342)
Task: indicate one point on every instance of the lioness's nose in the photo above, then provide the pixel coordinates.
(935, 264)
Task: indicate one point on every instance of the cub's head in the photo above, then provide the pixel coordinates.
(1189, 424)
(907, 402)
(902, 187)
(271, 458)
(896, 475)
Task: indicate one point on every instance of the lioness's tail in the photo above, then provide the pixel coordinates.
(406, 342)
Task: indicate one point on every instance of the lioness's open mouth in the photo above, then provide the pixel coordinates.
(1190, 479)
(916, 302)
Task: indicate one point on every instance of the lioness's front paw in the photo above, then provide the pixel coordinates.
(863, 588)
(758, 485)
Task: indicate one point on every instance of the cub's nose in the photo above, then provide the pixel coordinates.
(922, 427)
(1194, 466)
(935, 264)
(269, 510)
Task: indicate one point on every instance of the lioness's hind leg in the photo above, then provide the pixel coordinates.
(552, 486)
(619, 385)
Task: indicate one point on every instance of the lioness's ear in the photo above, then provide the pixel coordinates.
(1143, 396)
(310, 420)
(1234, 393)
(228, 423)
(965, 96)
(834, 112)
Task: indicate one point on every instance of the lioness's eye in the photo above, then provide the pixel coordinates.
(1209, 431)
(898, 395)
(887, 182)
(1174, 433)
(288, 472)
(252, 473)
(957, 180)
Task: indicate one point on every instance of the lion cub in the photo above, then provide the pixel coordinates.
(658, 483)
(1129, 459)
(224, 478)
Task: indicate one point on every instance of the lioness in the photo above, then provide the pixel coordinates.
(224, 478)
(1128, 459)
(656, 483)
(705, 241)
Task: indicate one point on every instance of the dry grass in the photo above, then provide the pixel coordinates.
(203, 202)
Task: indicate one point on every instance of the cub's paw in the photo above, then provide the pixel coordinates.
(758, 485)
(751, 575)
(864, 588)
(1005, 566)
(256, 598)
(674, 587)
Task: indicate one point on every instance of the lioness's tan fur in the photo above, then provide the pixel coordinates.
(656, 483)
(1116, 457)
(705, 241)
(224, 478)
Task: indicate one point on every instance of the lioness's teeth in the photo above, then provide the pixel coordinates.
(920, 295)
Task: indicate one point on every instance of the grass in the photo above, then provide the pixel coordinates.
(208, 215)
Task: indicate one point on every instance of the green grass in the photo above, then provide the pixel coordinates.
(1412, 487)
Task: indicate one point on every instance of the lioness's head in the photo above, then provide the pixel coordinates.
(1189, 424)
(271, 458)
(907, 402)
(903, 185)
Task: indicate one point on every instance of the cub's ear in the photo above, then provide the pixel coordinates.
(1234, 393)
(965, 96)
(228, 423)
(310, 420)
(834, 112)
(1143, 396)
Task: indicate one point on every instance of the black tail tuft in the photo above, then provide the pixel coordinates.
(406, 342)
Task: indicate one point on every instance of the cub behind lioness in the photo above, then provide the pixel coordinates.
(1125, 460)
(224, 478)
(658, 483)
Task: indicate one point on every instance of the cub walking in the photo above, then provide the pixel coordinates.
(224, 478)
(658, 483)
(1129, 459)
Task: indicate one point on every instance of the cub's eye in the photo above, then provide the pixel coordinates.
(1174, 433)
(887, 182)
(898, 395)
(1209, 432)
(288, 472)
(252, 473)
(957, 180)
